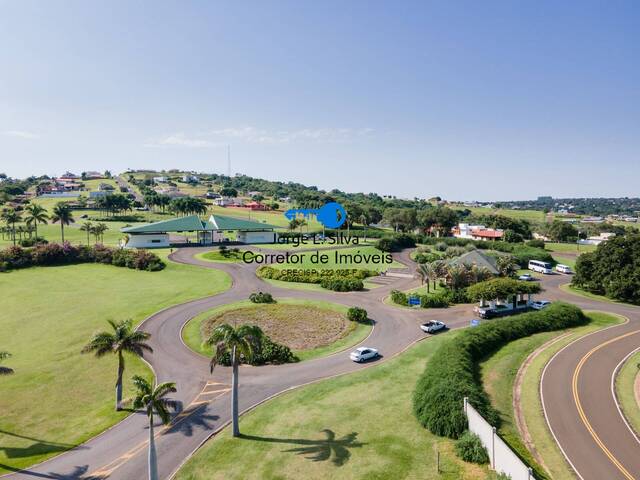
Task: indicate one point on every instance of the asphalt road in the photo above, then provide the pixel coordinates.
(579, 400)
(576, 385)
(120, 453)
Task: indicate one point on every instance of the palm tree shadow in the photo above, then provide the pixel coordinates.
(38, 446)
(78, 473)
(331, 448)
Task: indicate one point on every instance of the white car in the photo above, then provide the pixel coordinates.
(540, 304)
(526, 277)
(432, 326)
(363, 354)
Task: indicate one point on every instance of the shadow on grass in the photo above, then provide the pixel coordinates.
(335, 449)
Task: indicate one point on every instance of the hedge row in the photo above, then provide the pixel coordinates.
(66, 254)
(452, 372)
(340, 280)
(441, 299)
(396, 243)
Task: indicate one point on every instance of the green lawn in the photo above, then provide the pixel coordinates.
(511, 359)
(625, 391)
(356, 333)
(57, 397)
(216, 256)
(565, 260)
(583, 293)
(346, 259)
(350, 427)
(568, 247)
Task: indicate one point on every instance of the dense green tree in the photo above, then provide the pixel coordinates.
(562, 231)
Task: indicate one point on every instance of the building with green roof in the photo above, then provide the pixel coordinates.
(204, 232)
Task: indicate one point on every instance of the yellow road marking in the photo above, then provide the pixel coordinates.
(583, 416)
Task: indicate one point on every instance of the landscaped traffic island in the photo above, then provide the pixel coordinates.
(309, 328)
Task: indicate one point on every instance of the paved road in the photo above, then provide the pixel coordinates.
(576, 385)
(578, 399)
(120, 453)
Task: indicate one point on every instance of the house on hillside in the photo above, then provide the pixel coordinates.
(255, 206)
(477, 232)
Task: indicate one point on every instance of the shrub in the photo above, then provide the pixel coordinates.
(30, 242)
(261, 297)
(396, 243)
(439, 393)
(438, 300)
(67, 254)
(385, 244)
(399, 297)
(357, 314)
(470, 449)
(441, 246)
(426, 257)
(266, 352)
(342, 284)
(536, 244)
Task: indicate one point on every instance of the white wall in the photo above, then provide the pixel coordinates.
(501, 457)
(257, 237)
(157, 240)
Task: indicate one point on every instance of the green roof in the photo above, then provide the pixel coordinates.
(193, 223)
(181, 224)
(230, 223)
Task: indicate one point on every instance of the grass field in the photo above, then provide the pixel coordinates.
(554, 462)
(583, 293)
(352, 334)
(57, 397)
(625, 391)
(346, 259)
(533, 216)
(216, 256)
(568, 247)
(351, 427)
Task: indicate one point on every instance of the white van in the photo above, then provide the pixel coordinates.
(540, 267)
(563, 268)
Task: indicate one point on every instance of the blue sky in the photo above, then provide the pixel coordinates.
(467, 100)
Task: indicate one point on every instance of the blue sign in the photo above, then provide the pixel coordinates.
(475, 323)
(331, 215)
(414, 301)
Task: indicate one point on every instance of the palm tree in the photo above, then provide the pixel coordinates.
(11, 216)
(87, 227)
(427, 273)
(458, 276)
(152, 400)
(123, 339)
(98, 231)
(36, 214)
(507, 265)
(62, 213)
(237, 342)
(5, 370)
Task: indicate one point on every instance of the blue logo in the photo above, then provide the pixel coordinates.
(331, 215)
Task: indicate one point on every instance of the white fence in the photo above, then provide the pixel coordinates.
(501, 457)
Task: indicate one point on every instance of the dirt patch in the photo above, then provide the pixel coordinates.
(300, 327)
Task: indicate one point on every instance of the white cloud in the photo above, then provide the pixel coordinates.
(20, 134)
(323, 135)
(180, 140)
(248, 134)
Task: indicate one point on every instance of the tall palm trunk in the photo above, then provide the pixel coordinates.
(14, 233)
(234, 394)
(62, 231)
(153, 456)
(119, 381)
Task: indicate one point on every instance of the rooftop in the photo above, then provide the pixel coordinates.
(476, 257)
(193, 223)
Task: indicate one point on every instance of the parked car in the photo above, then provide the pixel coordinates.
(362, 354)
(540, 304)
(526, 277)
(563, 268)
(432, 326)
